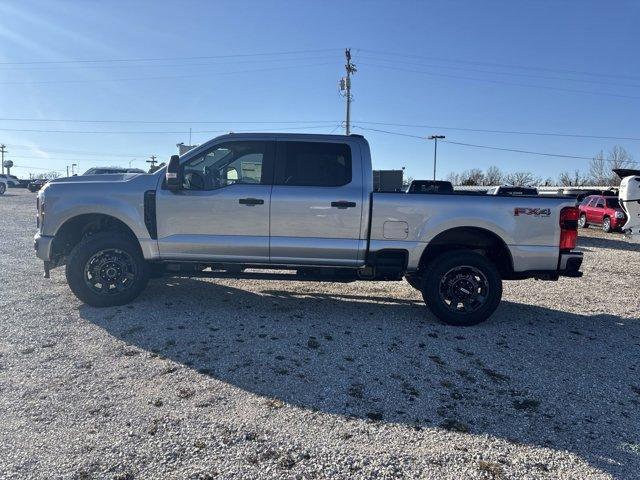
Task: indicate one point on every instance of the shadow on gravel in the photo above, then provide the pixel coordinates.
(529, 375)
(616, 243)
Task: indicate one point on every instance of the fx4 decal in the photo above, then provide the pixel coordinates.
(536, 212)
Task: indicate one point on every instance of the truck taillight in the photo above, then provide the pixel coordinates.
(569, 227)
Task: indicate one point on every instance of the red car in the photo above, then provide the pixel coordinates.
(602, 210)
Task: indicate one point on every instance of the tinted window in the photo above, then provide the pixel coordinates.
(586, 201)
(613, 203)
(314, 164)
(227, 164)
(600, 203)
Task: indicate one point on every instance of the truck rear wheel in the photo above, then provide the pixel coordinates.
(462, 288)
(107, 269)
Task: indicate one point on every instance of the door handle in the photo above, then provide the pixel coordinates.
(343, 204)
(251, 201)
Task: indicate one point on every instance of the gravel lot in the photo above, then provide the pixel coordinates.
(271, 379)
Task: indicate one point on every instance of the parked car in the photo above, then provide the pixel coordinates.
(512, 190)
(11, 180)
(111, 170)
(430, 186)
(298, 202)
(602, 210)
(37, 184)
(3, 185)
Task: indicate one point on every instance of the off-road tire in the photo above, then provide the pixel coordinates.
(84, 251)
(443, 266)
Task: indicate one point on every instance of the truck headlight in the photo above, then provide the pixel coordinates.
(619, 215)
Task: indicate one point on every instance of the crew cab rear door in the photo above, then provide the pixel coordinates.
(221, 213)
(316, 204)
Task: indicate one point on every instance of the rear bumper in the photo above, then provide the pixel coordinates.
(569, 264)
(42, 245)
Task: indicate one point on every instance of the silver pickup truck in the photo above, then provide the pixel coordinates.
(303, 203)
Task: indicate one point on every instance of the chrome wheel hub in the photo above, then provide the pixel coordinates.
(464, 289)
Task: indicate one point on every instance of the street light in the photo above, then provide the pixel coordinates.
(435, 151)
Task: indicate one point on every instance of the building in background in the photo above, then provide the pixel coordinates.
(387, 180)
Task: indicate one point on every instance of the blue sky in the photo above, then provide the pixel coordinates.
(568, 67)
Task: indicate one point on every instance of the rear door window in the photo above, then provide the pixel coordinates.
(317, 164)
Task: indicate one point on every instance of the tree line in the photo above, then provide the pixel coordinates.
(599, 173)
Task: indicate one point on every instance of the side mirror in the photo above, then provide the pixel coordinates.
(172, 175)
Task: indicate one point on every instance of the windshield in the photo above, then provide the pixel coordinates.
(613, 203)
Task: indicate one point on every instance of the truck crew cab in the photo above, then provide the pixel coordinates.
(303, 203)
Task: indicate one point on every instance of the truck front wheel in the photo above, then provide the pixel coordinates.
(462, 288)
(107, 269)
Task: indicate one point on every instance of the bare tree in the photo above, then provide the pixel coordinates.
(522, 179)
(576, 180)
(472, 177)
(48, 175)
(599, 171)
(493, 176)
(454, 178)
(618, 157)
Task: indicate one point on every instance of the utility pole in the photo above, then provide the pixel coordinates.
(435, 151)
(152, 162)
(67, 170)
(3, 149)
(345, 86)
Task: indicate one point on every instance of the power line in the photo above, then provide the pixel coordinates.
(174, 64)
(58, 159)
(201, 57)
(298, 122)
(75, 152)
(502, 65)
(507, 132)
(230, 122)
(37, 168)
(578, 157)
(497, 72)
(500, 82)
(137, 132)
(167, 77)
(546, 154)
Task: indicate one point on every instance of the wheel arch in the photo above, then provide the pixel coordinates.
(78, 227)
(475, 239)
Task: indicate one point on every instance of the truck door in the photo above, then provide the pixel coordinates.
(222, 211)
(316, 204)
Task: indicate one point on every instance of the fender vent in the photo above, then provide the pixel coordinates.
(150, 213)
